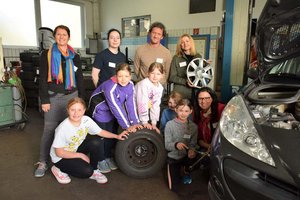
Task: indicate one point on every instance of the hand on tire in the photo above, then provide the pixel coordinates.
(152, 127)
(123, 135)
(131, 129)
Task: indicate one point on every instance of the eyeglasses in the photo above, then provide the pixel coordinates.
(204, 98)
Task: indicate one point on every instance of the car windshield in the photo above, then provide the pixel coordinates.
(288, 68)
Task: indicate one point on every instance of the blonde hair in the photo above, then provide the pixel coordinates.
(179, 50)
(74, 101)
(176, 96)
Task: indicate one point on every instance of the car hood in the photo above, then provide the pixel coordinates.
(284, 147)
(278, 33)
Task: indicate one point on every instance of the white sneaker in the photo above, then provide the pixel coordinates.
(99, 177)
(61, 177)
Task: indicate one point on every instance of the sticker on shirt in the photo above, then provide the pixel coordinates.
(186, 136)
(113, 65)
(159, 60)
(75, 68)
(182, 64)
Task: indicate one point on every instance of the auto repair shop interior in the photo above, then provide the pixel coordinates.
(222, 31)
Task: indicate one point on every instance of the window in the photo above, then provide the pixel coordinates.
(55, 13)
(135, 26)
(18, 25)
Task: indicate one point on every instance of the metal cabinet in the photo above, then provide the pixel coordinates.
(6, 105)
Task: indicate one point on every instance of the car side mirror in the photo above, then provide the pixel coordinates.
(252, 73)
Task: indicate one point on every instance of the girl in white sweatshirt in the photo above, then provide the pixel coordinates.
(148, 96)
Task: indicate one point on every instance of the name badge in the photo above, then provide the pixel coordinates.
(75, 68)
(159, 60)
(186, 136)
(113, 65)
(182, 64)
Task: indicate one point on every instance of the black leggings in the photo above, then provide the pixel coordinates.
(174, 171)
(92, 145)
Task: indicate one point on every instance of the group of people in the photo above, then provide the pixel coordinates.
(72, 131)
(188, 129)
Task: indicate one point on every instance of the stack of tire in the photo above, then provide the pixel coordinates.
(88, 85)
(29, 75)
(87, 78)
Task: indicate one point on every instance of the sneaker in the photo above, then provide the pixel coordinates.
(61, 177)
(103, 167)
(187, 179)
(111, 163)
(99, 177)
(41, 169)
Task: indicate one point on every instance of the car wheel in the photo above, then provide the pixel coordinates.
(199, 72)
(142, 154)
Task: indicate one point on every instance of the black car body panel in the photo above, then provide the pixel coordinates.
(277, 32)
(256, 150)
(235, 175)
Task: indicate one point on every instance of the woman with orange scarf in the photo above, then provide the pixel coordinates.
(61, 79)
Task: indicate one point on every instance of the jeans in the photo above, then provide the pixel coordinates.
(52, 118)
(109, 143)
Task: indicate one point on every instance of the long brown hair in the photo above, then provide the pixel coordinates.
(214, 105)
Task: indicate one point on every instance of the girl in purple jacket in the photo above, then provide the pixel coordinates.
(113, 104)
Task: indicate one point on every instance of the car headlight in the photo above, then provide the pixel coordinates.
(237, 127)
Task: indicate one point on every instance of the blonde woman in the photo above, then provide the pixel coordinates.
(185, 53)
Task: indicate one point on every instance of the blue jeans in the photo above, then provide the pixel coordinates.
(109, 144)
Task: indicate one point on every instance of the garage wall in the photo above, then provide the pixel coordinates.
(102, 15)
(173, 13)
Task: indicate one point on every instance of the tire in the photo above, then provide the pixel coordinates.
(27, 66)
(88, 83)
(27, 56)
(142, 154)
(28, 76)
(36, 60)
(30, 85)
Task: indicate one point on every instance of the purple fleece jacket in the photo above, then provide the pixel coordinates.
(119, 103)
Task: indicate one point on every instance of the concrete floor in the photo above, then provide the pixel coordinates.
(19, 151)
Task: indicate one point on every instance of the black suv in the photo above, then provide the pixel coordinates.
(256, 148)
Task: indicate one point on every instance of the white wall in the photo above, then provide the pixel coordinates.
(92, 16)
(101, 15)
(173, 13)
